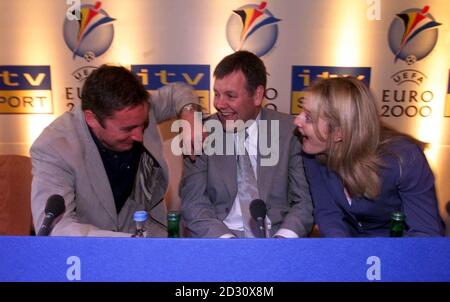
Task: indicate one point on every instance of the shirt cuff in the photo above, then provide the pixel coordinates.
(227, 236)
(191, 107)
(286, 233)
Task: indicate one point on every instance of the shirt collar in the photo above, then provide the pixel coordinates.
(252, 140)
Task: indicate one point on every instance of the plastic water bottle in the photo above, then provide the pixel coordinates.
(140, 218)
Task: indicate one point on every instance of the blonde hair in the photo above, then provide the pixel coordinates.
(349, 109)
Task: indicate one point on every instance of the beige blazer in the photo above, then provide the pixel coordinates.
(66, 161)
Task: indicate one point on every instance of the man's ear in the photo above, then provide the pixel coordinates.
(259, 96)
(337, 134)
(91, 119)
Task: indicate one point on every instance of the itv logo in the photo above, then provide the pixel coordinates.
(304, 76)
(156, 76)
(25, 89)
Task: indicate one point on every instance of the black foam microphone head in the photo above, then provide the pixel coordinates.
(258, 209)
(55, 205)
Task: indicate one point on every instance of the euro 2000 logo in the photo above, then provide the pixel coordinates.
(253, 28)
(91, 35)
(413, 34)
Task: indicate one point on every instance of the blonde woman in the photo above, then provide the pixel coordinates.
(359, 171)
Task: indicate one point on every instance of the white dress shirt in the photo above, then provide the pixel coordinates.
(234, 218)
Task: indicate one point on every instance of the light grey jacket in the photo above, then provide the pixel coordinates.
(66, 161)
(209, 186)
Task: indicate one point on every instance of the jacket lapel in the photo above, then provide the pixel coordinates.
(98, 180)
(334, 186)
(265, 174)
(228, 165)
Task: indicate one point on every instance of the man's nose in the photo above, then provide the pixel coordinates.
(138, 134)
(219, 103)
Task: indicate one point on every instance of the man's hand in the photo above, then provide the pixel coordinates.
(192, 114)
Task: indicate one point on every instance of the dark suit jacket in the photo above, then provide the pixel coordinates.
(407, 186)
(209, 186)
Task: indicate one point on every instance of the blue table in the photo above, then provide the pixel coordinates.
(223, 260)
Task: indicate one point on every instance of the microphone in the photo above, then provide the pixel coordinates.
(54, 207)
(447, 207)
(258, 211)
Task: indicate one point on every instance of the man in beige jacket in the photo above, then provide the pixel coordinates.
(105, 158)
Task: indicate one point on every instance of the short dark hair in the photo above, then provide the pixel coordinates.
(111, 88)
(251, 66)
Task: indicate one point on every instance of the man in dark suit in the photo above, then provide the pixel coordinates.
(211, 189)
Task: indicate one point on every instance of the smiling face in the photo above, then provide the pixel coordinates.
(232, 100)
(122, 129)
(314, 129)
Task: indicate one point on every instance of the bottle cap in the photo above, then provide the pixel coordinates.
(140, 216)
(398, 216)
(173, 215)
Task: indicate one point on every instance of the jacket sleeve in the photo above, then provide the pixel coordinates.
(300, 216)
(197, 209)
(418, 194)
(168, 100)
(52, 175)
